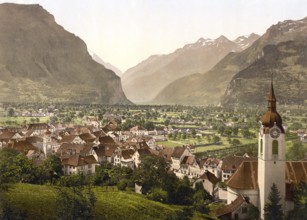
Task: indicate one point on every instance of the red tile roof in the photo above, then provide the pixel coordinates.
(231, 207)
(78, 160)
(178, 151)
(233, 162)
(209, 176)
(246, 176)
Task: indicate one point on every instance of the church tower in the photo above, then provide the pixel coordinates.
(271, 154)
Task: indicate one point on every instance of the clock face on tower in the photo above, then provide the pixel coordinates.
(274, 132)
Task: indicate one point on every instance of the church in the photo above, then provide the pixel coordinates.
(252, 181)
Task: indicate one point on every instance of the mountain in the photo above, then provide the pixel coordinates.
(246, 41)
(287, 61)
(40, 61)
(154, 74)
(107, 65)
(209, 87)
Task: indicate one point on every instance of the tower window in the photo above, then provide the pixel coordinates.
(261, 146)
(275, 147)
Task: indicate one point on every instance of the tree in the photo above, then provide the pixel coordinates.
(221, 130)
(11, 112)
(235, 131)
(273, 209)
(153, 172)
(74, 203)
(193, 133)
(296, 151)
(216, 139)
(228, 131)
(53, 167)
(300, 203)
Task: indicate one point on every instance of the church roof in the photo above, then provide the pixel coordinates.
(246, 176)
(296, 171)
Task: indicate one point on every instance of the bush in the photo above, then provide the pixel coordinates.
(122, 184)
(158, 194)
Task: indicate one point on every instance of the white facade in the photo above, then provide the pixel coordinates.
(271, 167)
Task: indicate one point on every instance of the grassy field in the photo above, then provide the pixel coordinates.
(19, 121)
(38, 202)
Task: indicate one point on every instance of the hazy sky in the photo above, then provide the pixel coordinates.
(125, 32)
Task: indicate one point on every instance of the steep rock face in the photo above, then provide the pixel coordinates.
(287, 61)
(40, 61)
(144, 82)
(209, 87)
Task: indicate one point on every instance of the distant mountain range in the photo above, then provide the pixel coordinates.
(40, 62)
(145, 81)
(107, 65)
(243, 76)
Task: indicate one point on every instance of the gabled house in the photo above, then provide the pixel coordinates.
(87, 137)
(37, 129)
(209, 182)
(124, 158)
(139, 154)
(9, 136)
(138, 131)
(104, 153)
(74, 139)
(177, 157)
(188, 167)
(75, 164)
(212, 165)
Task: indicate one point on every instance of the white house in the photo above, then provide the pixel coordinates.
(75, 164)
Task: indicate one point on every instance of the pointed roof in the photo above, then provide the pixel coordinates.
(271, 117)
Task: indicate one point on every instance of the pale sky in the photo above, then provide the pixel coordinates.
(126, 32)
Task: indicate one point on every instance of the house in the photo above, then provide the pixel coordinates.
(177, 157)
(8, 136)
(74, 139)
(104, 153)
(124, 158)
(209, 182)
(75, 164)
(139, 154)
(166, 153)
(106, 140)
(23, 146)
(87, 137)
(188, 167)
(212, 165)
(36, 129)
(235, 210)
(138, 131)
(72, 149)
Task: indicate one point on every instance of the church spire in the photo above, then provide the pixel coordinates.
(271, 117)
(272, 99)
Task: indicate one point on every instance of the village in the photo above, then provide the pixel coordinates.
(83, 148)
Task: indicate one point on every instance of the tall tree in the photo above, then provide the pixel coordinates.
(74, 203)
(300, 203)
(273, 209)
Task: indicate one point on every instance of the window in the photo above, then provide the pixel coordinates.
(261, 146)
(275, 147)
(90, 166)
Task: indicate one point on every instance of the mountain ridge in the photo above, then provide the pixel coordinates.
(209, 87)
(41, 61)
(158, 71)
